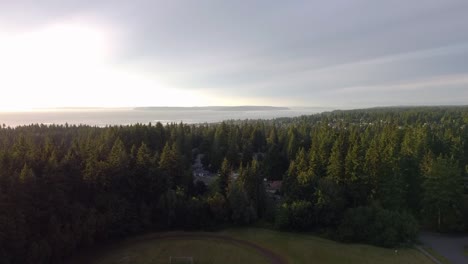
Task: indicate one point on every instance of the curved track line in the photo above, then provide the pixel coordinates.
(272, 256)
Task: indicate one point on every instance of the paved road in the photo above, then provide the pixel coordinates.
(451, 247)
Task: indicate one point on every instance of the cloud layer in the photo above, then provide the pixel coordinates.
(309, 53)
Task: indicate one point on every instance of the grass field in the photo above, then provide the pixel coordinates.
(201, 250)
(299, 248)
(294, 248)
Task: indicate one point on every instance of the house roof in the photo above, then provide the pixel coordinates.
(274, 185)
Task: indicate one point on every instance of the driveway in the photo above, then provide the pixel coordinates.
(449, 246)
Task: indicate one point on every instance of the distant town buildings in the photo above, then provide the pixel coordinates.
(200, 173)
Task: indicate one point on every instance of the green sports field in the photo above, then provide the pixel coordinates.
(261, 246)
(299, 248)
(201, 250)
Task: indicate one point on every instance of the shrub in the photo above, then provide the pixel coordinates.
(296, 215)
(377, 226)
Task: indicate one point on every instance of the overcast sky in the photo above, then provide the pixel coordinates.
(348, 53)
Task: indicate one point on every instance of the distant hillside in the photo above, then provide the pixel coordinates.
(213, 108)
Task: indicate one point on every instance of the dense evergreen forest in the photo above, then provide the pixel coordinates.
(373, 176)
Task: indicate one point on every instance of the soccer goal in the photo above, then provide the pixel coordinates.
(180, 260)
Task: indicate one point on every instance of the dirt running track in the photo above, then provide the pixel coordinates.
(273, 257)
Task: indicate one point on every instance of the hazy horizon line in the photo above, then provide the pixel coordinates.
(349, 107)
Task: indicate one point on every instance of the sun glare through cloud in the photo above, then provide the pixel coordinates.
(71, 64)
